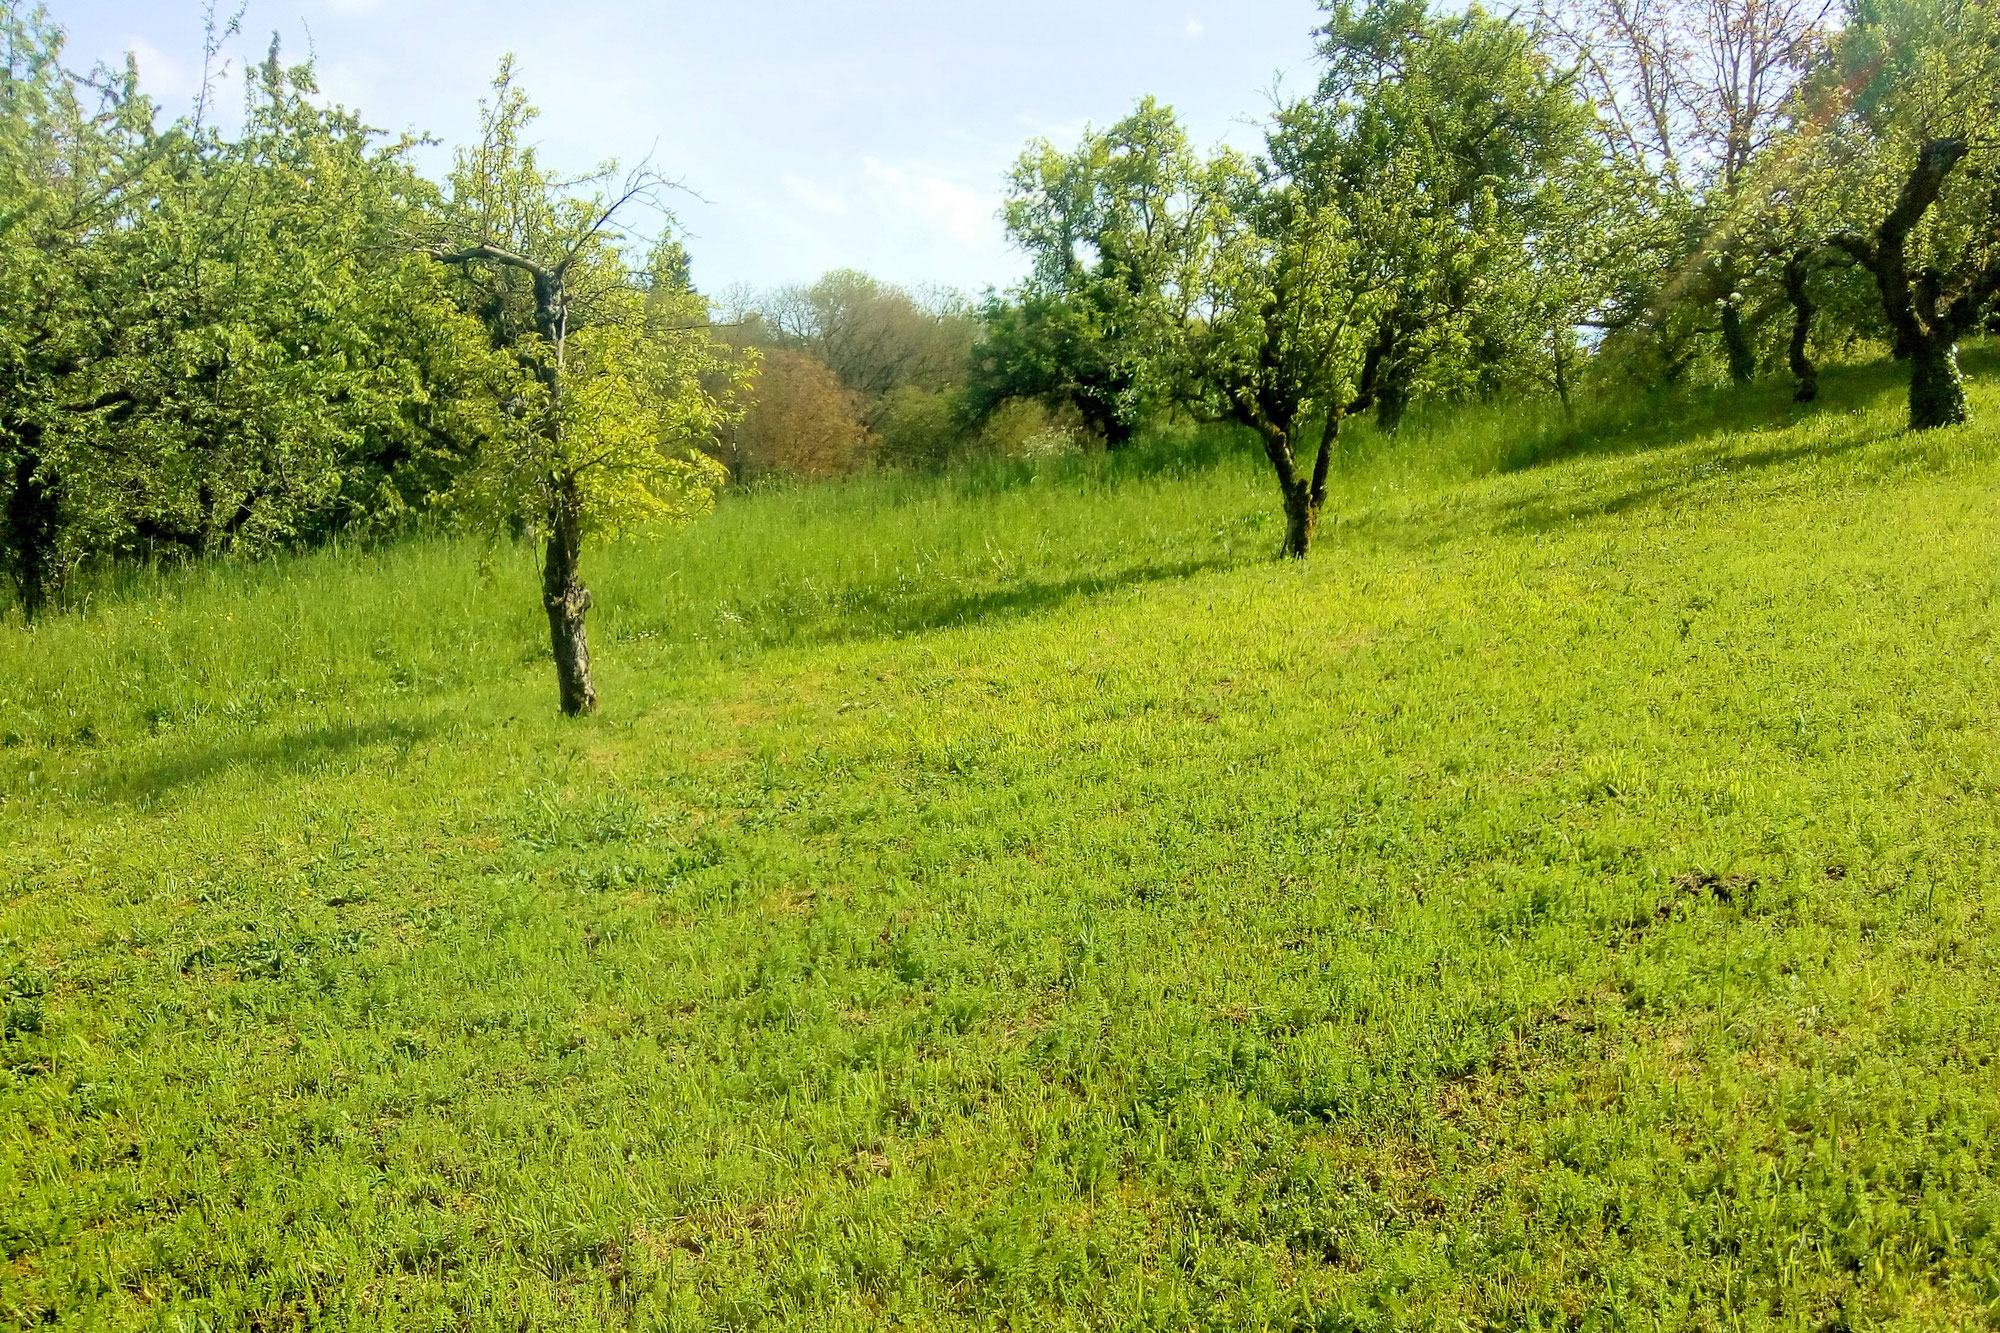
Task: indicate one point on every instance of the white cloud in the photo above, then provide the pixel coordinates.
(1195, 30)
(964, 214)
(816, 197)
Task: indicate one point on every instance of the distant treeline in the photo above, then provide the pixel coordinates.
(237, 341)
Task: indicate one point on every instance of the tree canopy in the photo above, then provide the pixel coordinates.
(217, 342)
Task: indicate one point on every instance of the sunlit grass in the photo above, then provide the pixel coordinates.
(1017, 900)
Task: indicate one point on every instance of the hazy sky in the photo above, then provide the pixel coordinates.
(863, 133)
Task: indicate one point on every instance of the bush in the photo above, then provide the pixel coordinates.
(799, 422)
(920, 429)
(1024, 428)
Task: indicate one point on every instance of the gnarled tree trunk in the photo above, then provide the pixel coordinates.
(1928, 326)
(1304, 496)
(568, 601)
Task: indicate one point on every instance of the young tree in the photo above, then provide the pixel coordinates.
(1291, 299)
(1926, 75)
(610, 402)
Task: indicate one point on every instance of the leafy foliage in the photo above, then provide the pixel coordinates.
(1464, 158)
(617, 372)
(212, 344)
(801, 421)
(1118, 230)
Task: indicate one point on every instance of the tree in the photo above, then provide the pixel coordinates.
(1490, 148)
(610, 402)
(876, 338)
(1118, 230)
(279, 347)
(1926, 81)
(800, 421)
(211, 343)
(1291, 300)
(1796, 192)
(1691, 95)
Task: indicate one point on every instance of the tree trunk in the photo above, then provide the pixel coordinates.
(1937, 390)
(1560, 365)
(1736, 342)
(568, 601)
(1392, 400)
(31, 528)
(1805, 374)
(1937, 394)
(1303, 496)
(563, 594)
(1301, 520)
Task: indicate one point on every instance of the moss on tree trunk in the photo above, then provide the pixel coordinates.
(1301, 521)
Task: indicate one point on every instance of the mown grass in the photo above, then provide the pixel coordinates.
(1017, 902)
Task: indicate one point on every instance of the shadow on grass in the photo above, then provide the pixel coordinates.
(297, 752)
(1685, 416)
(1677, 418)
(1543, 513)
(1701, 435)
(882, 611)
(1689, 420)
(1034, 596)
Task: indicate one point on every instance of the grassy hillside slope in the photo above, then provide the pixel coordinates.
(1572, 900)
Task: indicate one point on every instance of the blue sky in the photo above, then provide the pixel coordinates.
(861, 133)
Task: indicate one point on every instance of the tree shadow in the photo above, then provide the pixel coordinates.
(1723, 413)
(941, 611)
(1677, 417)
(1545, 513)
(296, 752)
(899, 617)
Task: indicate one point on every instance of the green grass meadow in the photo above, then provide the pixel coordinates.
(1571, 900)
